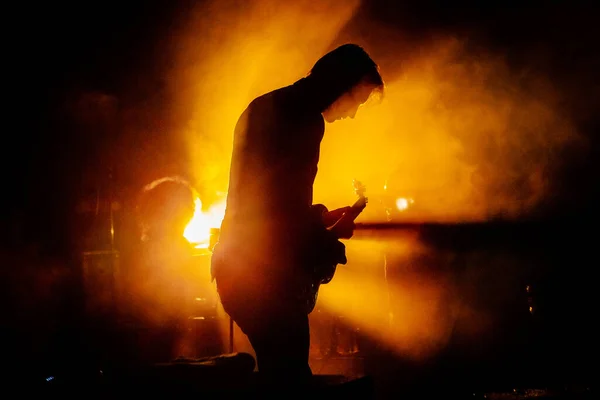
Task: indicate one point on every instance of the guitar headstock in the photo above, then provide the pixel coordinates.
(360, 191)
(359, 188)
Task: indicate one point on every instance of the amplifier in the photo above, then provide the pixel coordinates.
(100, 276)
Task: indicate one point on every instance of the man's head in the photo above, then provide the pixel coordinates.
(349, 76)
(165, 207)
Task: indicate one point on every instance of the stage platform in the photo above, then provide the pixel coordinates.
(226, 376)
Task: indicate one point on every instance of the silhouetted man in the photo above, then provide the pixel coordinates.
(270, 235)
(160, 273)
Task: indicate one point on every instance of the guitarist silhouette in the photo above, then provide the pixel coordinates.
(271, 232)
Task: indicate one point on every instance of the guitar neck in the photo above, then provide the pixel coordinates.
(357, 208)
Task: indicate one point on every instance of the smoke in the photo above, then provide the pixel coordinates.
(459, 131)
(390, 293)
(467, 135)
(418, 299)
(231, 52)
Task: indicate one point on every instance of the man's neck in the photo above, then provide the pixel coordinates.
(314, 94)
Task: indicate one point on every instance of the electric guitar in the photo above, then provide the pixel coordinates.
(322, 270)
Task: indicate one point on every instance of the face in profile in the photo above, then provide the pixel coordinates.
(347, 105)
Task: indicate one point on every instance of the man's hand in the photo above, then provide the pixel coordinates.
(344, 227)
(333, 216)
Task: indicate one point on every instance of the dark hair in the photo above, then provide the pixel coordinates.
(349, 65)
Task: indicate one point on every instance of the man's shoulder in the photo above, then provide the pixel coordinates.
(264, 104)
(286, 102)
(274, 97)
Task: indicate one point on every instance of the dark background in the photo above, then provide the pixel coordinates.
(53, 51)
(120, 49)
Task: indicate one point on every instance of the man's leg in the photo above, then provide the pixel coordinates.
(278, 331)
(282, 347)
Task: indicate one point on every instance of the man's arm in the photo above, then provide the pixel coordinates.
(344, 227)
(333, 216)
(338, 221)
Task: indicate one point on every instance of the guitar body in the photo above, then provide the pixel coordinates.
(312, 290)
(322, 270)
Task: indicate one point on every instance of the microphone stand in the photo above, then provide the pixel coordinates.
(214, 239)
(230, 335)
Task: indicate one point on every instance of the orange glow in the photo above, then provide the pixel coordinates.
(461, 132)
(255, 47)
(197, 231)
(389, 292)
(402, 203)
(453, 128)
(421, 319)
